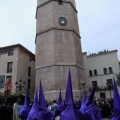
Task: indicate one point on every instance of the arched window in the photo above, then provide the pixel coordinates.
(110, 70)
(95, 72)
(105, 70)
(90, 73)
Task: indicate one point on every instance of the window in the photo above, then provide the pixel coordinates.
(30, 58)
(10, 52)
(60, 2)
(90, 73)
(94, 83)
(105, 70)
(9, 77)
(110, 70)
(29, 83)
(95, 72)
(9, 67)
(2, 52)
(109, 81)
(109, 84)
(102, 95)
(29, 71)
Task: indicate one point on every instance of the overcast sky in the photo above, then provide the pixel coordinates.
(99, 24)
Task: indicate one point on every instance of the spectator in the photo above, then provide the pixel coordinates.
(53, 106)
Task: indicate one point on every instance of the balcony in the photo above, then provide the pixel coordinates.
(102, 88)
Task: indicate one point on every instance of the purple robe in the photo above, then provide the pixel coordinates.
(23, 113)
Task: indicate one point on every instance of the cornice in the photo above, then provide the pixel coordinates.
(59, 65)
(53, 28)
(55, 1)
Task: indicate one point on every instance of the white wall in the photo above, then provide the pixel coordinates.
(99, 62)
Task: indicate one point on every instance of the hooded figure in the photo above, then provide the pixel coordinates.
(116, 110)
(69, 113)
(60, 107)
(91, 111)
(82, 108)
(23, 113)
(45, 114)
(42, 103)
(34, 112)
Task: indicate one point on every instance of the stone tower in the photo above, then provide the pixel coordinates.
(58, 47)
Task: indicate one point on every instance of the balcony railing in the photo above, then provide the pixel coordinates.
(101, 88)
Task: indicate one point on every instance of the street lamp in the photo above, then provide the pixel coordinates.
(109, 86)
(19, 86)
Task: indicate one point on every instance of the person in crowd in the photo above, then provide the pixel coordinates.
(16, 110)
(77, 104)
(96, 101)
(49, 103)
(8, 87)
(53, 106)
(109, 108)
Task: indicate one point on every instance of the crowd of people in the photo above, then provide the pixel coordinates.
(10, 112)
(88, 108)
(105, 106)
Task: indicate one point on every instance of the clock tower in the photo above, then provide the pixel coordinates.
(58, 47)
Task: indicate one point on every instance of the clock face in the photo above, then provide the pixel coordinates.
(62, 21)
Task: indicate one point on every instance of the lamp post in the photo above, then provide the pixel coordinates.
(109, 86)
(19, 86)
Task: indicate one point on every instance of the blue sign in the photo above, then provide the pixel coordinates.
(2, 81)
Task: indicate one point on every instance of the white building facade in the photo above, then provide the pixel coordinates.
(100, 69)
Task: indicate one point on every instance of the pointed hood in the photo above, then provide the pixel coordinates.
(116, 110)
(26, 98)
(34, 113)
(91, 112)
(82, 108)
(83, 98)
(23, 113)
(116, 116)
(91, 96)
(44, 113)
(69, 94)
(69, 113)
(35, 103)
(116, 96)
(42, 102)
(60, 106)
(60, 98)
